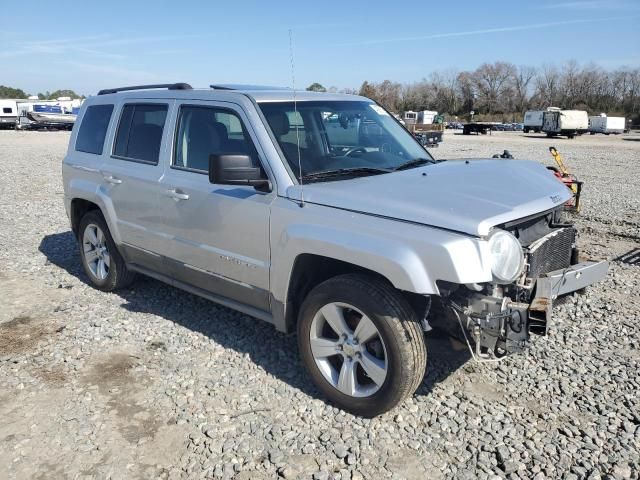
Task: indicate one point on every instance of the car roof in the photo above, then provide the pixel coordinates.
(259, 93)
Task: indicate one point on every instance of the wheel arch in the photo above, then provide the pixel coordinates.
(83, 196)
(310, 270)
(79, 208)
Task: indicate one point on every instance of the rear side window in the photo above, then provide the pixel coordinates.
(140, 132)
(93, 129)
(7, 110)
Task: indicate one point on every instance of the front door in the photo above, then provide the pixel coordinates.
(219, 234)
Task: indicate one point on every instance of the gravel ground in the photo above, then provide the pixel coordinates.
(153, 382)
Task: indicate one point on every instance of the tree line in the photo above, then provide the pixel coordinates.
(503, 91)
(9, 92)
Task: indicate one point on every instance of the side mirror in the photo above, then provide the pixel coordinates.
(236, 169)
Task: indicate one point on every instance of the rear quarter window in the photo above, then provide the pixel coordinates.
(93, 129)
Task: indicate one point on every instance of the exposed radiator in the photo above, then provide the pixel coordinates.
(551, 252)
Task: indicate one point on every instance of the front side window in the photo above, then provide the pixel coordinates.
(203, 131)
(341, 136)
(93, 129)
(140, 132)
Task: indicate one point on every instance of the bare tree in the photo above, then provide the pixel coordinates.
(386, 93)
(547, 86)
(368, 90)
(466, 93)
(522, 82)
(418, 96)
(492, 81)
(503, 91)
(444, 86)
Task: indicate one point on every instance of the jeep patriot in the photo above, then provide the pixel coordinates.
(320, 214)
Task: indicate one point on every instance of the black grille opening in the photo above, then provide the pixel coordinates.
(551, 252)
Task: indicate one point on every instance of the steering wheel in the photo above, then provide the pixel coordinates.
(354, 150)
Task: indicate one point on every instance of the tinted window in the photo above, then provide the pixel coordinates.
(93, 129)
(7, 110)
(203, 131)
(140, 132)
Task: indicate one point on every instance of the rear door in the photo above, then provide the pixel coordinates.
(131, 175)
(218, 235)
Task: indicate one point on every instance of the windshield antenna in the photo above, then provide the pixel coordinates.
(295, 114)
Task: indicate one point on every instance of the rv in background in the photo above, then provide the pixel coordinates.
(410, 117)
(426, 125)
(607, 125)
(565, 122)
(533, 121)
(8, 113)
(426, 117)
(423, 117)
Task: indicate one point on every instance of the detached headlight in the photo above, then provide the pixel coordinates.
(507, 258)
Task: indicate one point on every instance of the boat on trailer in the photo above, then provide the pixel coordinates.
(45, 116)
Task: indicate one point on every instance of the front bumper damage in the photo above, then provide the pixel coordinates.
(498, 325)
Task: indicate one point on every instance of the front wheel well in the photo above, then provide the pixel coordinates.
(310, 270)
(79, 207)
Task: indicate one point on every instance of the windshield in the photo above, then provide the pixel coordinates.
(344, 136)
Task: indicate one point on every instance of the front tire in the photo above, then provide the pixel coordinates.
(361, 342)
(100, 258)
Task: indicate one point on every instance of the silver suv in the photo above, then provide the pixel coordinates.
(320, 214)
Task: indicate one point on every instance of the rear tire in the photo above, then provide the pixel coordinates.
(101, 260)
(391, 339)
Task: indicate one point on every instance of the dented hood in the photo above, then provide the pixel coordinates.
(467, 196)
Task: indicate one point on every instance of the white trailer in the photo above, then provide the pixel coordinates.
(565, 122)
(533, 121)
(607, 125)
(8, 113)
(423, 117)
(426, 117)
(410, 117)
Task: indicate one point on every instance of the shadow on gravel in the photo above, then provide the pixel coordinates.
(274, 351)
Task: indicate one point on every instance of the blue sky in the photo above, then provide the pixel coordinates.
(86, 45)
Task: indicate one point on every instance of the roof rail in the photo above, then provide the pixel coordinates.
(231, 86)
(169, 86)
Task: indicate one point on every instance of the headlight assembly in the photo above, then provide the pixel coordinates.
(507, 259)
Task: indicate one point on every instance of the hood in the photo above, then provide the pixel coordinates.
(467, 196)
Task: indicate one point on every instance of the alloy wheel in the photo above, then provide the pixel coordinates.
(348, 350)
(96, 252)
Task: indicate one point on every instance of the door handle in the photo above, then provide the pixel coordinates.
(112, 180)
(176, 195)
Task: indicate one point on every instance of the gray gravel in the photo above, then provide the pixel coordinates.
(153, 382)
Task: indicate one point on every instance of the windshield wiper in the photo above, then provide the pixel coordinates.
(416, 162)
(339, 172)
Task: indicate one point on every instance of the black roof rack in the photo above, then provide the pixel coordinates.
(170, 86)
(222, 87)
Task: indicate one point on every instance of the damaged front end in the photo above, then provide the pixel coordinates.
(497, 319)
